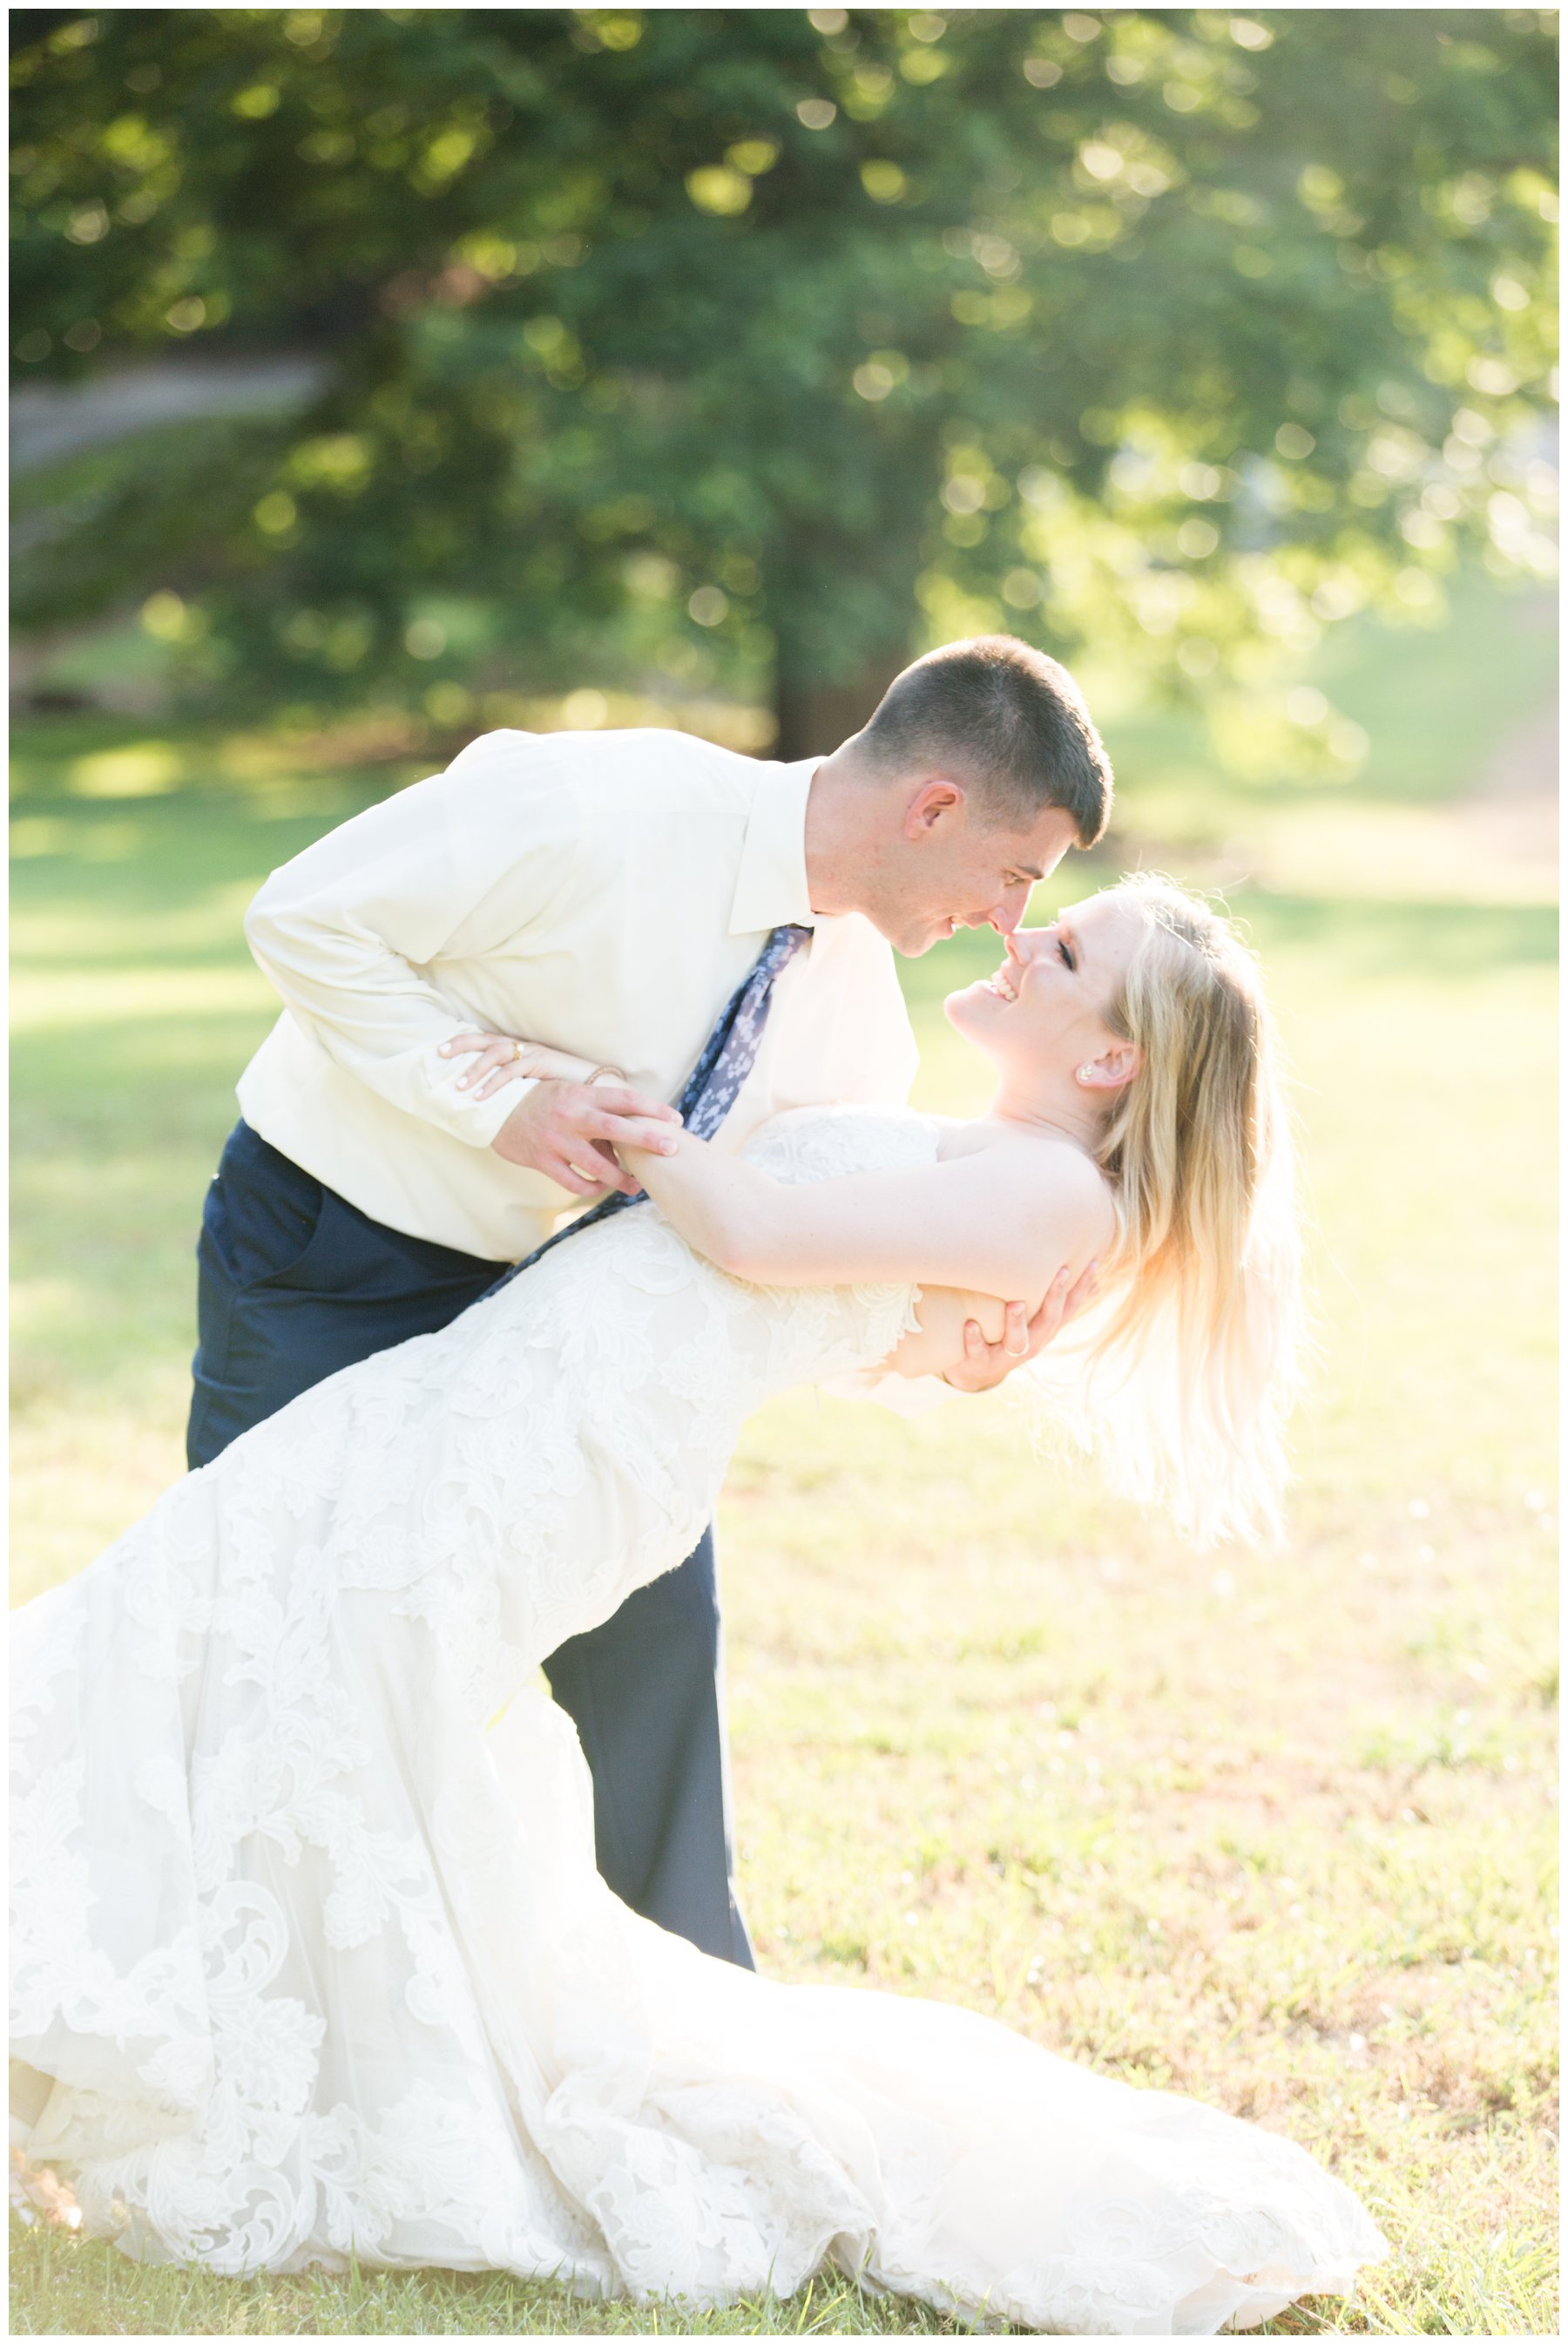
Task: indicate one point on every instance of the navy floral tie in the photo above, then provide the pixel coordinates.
(714, 1084)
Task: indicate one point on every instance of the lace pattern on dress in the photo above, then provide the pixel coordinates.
(311, 1946)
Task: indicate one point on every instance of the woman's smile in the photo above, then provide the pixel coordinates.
(1007, 982)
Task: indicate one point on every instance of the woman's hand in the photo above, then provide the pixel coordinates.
(501, 1058)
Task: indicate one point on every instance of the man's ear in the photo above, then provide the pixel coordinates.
(937, 800)
(1112, 1070)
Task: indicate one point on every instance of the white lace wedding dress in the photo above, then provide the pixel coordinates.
(310, 1953)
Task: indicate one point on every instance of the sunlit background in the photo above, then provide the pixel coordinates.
(381, 377)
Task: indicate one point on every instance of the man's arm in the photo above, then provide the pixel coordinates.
(480, 859)
(350, 930)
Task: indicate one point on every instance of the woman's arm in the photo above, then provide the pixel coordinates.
(1004, 1221)
(1013, 1221)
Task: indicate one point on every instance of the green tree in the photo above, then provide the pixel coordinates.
(781, 341)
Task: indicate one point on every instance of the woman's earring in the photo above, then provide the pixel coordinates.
(1085, 1074)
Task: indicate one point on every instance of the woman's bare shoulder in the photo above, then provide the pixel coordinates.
(1058, 1190)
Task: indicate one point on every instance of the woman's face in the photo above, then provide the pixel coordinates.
(1046, 1002)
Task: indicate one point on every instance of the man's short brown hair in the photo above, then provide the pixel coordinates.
(996, 711)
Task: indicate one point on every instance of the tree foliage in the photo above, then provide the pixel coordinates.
(777, 342)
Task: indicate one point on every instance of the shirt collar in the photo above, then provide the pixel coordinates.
(770, 888)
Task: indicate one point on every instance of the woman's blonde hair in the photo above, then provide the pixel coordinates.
(1187, 1370)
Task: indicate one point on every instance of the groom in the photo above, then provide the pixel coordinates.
(609, 894)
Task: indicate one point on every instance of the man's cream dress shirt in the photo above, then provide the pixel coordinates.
(602, 892)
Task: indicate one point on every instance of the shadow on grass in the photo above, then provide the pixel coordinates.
(104, 866)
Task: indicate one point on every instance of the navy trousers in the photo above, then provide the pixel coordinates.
(294, 1282)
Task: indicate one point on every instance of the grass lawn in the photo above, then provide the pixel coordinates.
(1276, 1830)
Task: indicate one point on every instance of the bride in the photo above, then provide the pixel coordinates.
(311, 1958)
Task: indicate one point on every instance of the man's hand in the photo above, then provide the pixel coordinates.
(985, 1365)
(566, 1130)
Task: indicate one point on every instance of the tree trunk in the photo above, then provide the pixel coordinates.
(814, 715)
(843, 615)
